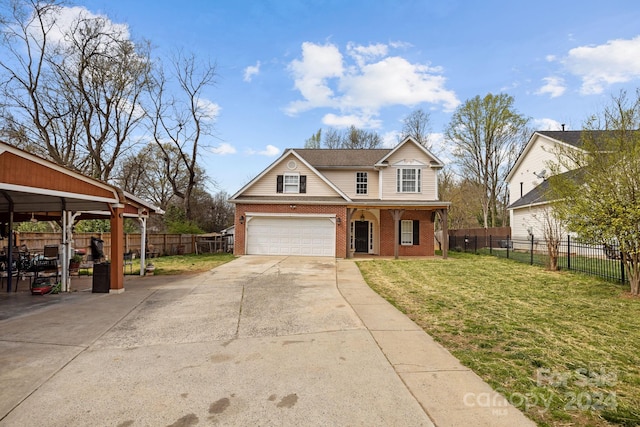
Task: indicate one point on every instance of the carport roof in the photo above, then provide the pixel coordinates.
(41, 188)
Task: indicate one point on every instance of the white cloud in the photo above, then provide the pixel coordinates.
(224, 149)
(344, 121)
(67, 17)
(617, 61)
(546, 124)
(250, 71)
(269, 151)
(371, 81)
(319, 63)
(364, 54)
(208, 109)
(554, 86)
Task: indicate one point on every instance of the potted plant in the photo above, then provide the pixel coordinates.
(74, 263)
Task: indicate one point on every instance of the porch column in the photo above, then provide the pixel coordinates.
(396, 214)
(350, 212)
(445, 232)
(117, 249)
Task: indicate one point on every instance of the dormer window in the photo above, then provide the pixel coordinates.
(408, 180)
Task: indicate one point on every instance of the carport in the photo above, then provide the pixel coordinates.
(32, 187)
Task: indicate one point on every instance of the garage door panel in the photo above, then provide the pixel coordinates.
(291, 236)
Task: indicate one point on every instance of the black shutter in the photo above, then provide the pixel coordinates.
(280, 184)
(303, 183)
(416, 232)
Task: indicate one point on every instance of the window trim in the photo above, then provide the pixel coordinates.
(291, 185)
(362, 184)
(406, 232)
(416, 181)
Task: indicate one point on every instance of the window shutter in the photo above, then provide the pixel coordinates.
(416, 232)
(398, 180)
(280, 184)
(303, 183)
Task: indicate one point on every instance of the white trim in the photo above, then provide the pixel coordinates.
(309, 215)
(48, 164)
(55, 193)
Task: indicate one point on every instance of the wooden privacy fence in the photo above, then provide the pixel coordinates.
(157, 244)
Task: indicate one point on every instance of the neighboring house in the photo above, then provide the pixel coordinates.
(528, 183)
(336, 202)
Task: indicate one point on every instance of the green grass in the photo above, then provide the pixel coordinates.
(179, 264)
(536, 336)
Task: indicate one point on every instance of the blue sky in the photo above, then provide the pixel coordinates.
(288, 68)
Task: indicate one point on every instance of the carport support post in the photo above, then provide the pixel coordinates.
(143, 245)
(117, 249)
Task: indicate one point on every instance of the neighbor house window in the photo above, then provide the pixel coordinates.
(291, 183)
(408, 180)
(361, 182)
(409, 232)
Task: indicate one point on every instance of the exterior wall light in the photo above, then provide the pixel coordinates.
(241, 219)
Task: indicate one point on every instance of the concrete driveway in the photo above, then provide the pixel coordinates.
(259, 341)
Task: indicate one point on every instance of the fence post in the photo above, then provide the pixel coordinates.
(475, 244)
(622, 267)
(508, 244)
(568, 252)
(531, 249)
(490, 244)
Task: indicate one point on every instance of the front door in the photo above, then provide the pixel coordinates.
(362, 236)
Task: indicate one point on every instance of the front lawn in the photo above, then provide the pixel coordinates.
(563, 347)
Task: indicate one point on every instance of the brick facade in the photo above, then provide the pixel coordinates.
(387, 236)
(339, 211)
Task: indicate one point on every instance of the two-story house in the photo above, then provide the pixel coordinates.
(337, 202)
(527, 179)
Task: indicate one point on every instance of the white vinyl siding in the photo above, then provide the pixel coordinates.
(266, 185)
(409, 180)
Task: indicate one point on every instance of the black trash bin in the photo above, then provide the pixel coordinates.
(101, 278)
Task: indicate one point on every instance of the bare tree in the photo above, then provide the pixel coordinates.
(487, 134)
(183, 120)
(351, 138)
(72, 91)
(417, 125)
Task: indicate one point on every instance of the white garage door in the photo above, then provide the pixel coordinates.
(291, 236)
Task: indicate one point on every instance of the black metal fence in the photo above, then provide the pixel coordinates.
(599, 260)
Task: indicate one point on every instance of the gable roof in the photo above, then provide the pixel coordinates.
(438, 163)
(541, 193)
(277, 162)
(342, 157)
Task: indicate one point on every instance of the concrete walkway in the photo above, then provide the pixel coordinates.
(258, 341)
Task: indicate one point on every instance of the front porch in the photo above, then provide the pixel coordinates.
(393, 231)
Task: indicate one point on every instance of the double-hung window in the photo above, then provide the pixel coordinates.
(409, 180)
(409, 232)
(361, 182)
(291, 183)
(406, 232)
